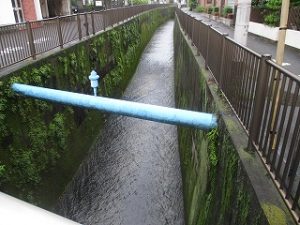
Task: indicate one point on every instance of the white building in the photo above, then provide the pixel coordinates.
(16, 11)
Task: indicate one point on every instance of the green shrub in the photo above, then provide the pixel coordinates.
(273, 17)
(227, 10)
(200, 9)
(193, 4)
(215, 9)
(139, 2)
(209, 10)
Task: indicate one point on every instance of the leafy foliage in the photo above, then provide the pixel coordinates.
(139, 2)
(34, 135)
(200, 8)
(193, 4)
(227, 10)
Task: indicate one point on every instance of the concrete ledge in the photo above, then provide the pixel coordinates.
(271, 33)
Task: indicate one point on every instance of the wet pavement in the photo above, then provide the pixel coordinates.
(132, 175)
(256, 43)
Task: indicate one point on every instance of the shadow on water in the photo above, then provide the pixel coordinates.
(132, 176)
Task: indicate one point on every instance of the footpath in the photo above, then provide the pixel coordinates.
(256, 43)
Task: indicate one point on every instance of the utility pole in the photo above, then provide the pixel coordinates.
(242, 21)
(282, 31)
(279, 59)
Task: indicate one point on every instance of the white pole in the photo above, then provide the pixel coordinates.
(242, 21)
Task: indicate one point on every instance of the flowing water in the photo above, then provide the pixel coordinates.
(132, 176)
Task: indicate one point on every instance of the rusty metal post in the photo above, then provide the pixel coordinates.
(31, 40)
(86, 24)
(123, 13)
(259, 99)
(193, 30)
(104, 19)
(93, 22)
(222, 60)
(207, 45)
(60, 38)
(79, 26)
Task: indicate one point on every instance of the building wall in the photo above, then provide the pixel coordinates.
(29, 10)
(6, 13)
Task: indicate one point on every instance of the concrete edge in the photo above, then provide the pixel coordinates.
(267, 194)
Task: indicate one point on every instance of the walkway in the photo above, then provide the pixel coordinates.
(257, 44)
(133, 175)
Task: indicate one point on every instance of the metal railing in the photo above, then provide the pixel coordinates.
(265, 98)
(25, 40)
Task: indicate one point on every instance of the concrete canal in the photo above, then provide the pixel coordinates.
(132, 175)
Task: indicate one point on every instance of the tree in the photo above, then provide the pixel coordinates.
(54, 7)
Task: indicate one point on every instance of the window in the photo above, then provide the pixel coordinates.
(17, 7)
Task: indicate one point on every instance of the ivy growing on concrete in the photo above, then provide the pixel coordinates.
(36, 137)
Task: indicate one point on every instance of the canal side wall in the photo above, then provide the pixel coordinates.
(223, 182)
(42, 144)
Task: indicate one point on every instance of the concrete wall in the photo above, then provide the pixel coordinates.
(6, 13)
(292, 36)
(223, 182)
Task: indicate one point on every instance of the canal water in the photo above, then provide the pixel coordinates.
(132, 176)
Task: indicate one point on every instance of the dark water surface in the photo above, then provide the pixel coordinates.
(132, 176)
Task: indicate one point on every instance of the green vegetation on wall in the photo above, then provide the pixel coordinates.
(216, 188)
(42, 144)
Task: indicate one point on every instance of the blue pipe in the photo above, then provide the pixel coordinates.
(200, 120)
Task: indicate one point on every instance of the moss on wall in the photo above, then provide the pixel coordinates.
(216, 188)
(41, 143)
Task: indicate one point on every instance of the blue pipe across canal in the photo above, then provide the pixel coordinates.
(162, 114)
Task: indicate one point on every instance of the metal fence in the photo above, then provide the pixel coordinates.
(265, 98)
(22, 41)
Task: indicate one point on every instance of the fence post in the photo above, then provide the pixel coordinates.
(207, 45)
(222, 60)
(193, 29)
(31, 40)
(104, 19)
(60, 38)
(79, 27)
(186, 24)
(93, 22)
(123, 10)
(259, 99)
(86, 24)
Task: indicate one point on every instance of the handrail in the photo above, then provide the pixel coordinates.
(19, 42)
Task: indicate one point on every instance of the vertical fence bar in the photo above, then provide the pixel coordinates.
(86, 24)
(193, 30)
(60, 38)
(207, 45)
(79, 26)
(31, 40)
(93, 22)
(104, 19)
(222, 60)
(261, 93)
